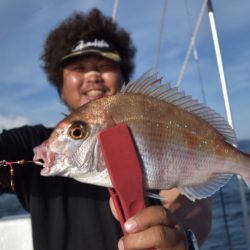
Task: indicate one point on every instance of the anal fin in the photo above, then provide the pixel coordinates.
(206, 189)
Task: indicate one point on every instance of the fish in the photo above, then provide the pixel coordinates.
(182, 143)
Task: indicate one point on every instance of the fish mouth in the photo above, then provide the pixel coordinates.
(44, 158)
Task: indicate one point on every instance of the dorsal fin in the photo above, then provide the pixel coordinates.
(150, 84)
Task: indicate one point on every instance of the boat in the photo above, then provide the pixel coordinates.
(18, 227)
(16, 232)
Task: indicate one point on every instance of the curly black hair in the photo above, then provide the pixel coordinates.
(87, 26)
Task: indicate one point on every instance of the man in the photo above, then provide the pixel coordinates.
(88, 57)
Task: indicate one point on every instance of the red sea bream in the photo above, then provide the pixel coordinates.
(182, 144)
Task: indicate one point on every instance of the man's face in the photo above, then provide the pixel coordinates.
(89, 78)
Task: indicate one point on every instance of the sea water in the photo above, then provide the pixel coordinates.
(228, 228)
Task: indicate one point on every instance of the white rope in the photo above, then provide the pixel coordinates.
(192, 43)
(158, 48)
(220, 67)
(116, 3)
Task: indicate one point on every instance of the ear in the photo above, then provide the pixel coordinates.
(63, 101)
(62, 96)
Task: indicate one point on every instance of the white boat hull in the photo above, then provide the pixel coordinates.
(16, 233)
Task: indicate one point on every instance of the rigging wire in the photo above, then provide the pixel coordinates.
(158, 48)
(115, 8)
(196, 56)
(191, 43)
(229, 241)
(229, 114)
(225, 218)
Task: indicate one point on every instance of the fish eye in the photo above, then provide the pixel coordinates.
(78, 130)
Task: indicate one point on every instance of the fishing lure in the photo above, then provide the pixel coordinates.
(4, 163)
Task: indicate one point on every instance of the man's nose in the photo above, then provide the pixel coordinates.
(92, 77)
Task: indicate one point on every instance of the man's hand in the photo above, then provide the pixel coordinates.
(158, 227)
(153, 227)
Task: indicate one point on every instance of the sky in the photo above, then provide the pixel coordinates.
(28, 98)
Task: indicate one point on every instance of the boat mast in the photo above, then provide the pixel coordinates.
(228, 112)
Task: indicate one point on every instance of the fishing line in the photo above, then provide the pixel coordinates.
(4, 163)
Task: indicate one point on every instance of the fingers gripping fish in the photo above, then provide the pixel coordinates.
(182, 144)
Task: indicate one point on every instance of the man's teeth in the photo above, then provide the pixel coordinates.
(94, 93)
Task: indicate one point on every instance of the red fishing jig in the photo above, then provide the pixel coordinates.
(4, 163)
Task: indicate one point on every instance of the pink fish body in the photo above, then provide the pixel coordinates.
(182, 144)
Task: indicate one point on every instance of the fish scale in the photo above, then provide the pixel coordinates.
(181, 143)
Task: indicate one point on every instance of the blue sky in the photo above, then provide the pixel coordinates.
(27, 97)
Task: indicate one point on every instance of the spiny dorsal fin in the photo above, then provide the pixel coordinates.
(150, 85)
